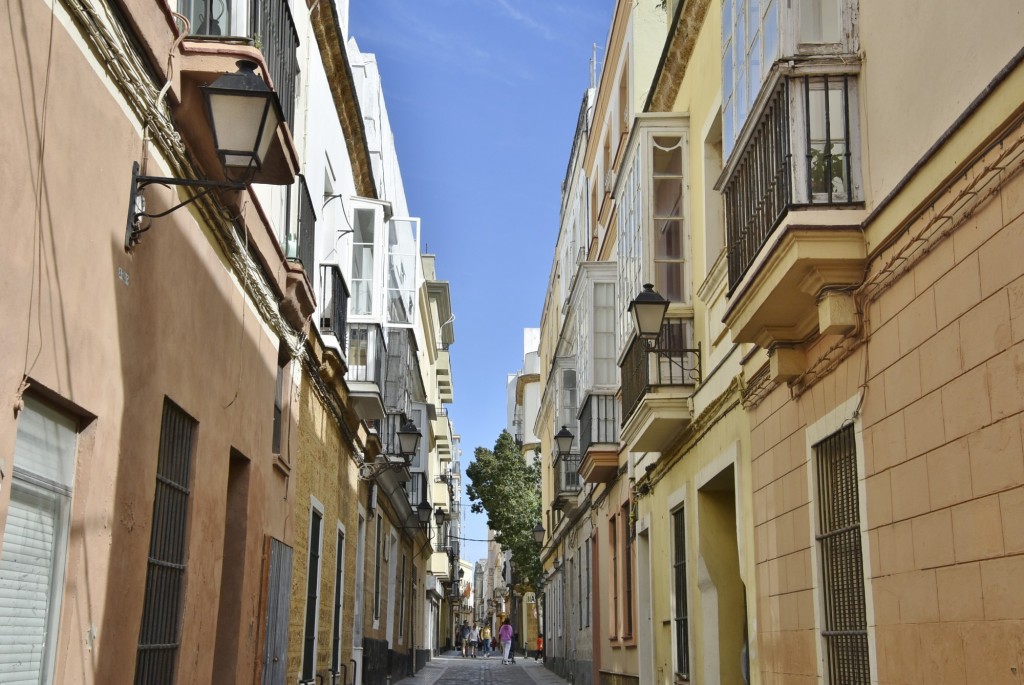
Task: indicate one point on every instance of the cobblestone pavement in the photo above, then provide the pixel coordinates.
(451, 669)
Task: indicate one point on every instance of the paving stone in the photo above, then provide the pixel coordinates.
(453, 669)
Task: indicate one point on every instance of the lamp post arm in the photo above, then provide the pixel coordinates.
(136, 205)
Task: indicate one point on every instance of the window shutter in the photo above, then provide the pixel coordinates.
(34, 543)
(26, 571)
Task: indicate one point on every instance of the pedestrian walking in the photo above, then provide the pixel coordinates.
(505, 636)
(485, 641)
(464, 634)
(474, 639)
(540, 648)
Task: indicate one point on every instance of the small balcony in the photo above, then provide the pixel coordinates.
(567, 480)
(366, 367)
(658, 381)
(334, 304)
(793, 212)
(599, 439)
(267, 24)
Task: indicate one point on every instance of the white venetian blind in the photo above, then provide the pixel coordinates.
(34, 544)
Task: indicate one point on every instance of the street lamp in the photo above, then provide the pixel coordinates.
(439, 516)
(648, 310)
(408, 439)
(423, 512)
(244, 114)
(538, 533)
(563, 441)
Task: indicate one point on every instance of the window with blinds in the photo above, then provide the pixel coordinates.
(844, 612)
(160, 632)
(35, 543)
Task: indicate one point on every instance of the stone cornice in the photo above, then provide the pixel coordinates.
(675, 58)
(331, 42)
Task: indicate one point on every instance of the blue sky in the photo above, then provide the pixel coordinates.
(483, 97)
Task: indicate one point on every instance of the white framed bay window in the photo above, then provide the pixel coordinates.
(653, 233)
(32, 558)
(756, 34)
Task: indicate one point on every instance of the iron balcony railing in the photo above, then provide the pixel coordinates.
(366, 353)
(567, 477)
(270, 27)
(416, 489)
(759, 192)
(333, 303)
(274, 31)
(598, 424)
(669, 361)
(783, 165)
(307, 228)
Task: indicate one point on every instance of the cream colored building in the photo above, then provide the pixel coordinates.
(833, 494)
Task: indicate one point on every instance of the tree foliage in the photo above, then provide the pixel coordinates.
(507, 488)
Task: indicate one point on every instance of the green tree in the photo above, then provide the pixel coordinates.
(507, 488)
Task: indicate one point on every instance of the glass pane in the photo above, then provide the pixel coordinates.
(771, 33)
(669, 281)
(361, 297)
(727, 75)
(753, 19)
(668, 243)
(836, 112)
(362, 262)
(402, 236)
(668, 159)
(754, 68)
(402, 271)
(363, 226)
(726, 20)
(740, 38)
(827, 152)
(668, 197)
(819, 21)
(400, 306)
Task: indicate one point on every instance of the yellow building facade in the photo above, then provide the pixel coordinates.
(818, 467)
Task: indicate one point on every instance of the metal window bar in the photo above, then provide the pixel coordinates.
(668, 362)
(334, 296)
(598, 423)
(567, 469)
(681, 618)
(339, 569)
(160, 631)
(312, 582)
(828, 158)
(839, 542)
(759, 192)
(274, 32)
(307, 227)
(627, 567)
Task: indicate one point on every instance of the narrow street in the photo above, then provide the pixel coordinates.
(452, 669)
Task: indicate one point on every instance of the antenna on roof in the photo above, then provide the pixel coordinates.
(593, 66)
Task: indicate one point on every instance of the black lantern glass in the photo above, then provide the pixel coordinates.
(538, 533)
(439, 516)
(563, 440)
(423, 512)
(648, 310)
(244, 114)
(408, 438)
